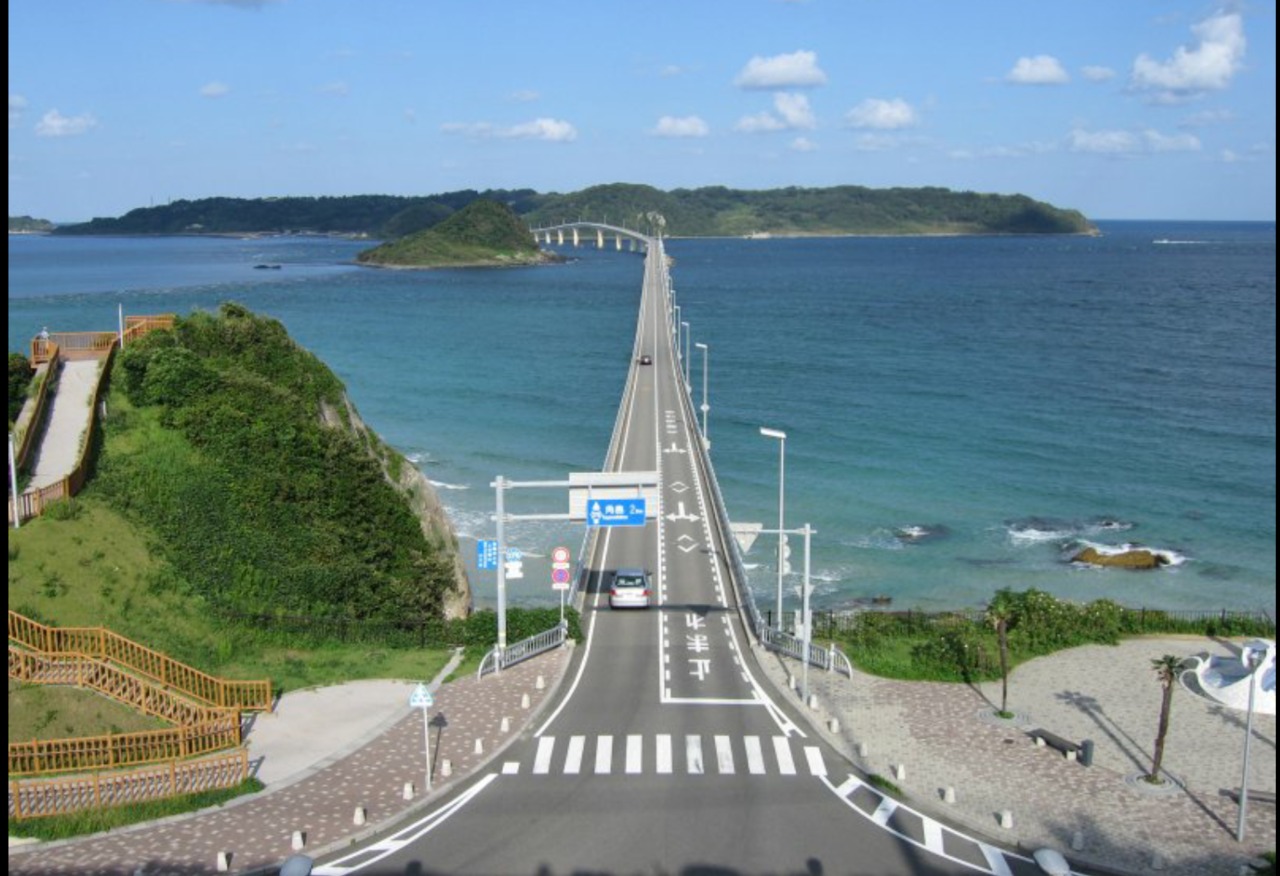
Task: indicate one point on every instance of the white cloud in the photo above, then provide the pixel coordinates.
(335, 89)
(796, 70)
(17, 103)
(524, 95)
(1040, 70)
(1208, 66)
(1103, 142)
(1158, 142)
(215, 89)
(1115, 142)
(1095, 73)
(795, 110)
(803, 144)
(683, 126)
(671, 70)
(553, 130)
(55, 124)
(793, 113)
(883, 115)
(1207, 118)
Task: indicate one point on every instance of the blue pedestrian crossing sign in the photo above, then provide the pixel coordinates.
(487, 553)
(616, 512)
(421, 698)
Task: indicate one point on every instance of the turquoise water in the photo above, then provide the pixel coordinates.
(962, 413)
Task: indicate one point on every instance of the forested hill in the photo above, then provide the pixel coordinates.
(712, 211)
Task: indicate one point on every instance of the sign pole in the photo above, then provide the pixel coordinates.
(502, 579)
(426, 742)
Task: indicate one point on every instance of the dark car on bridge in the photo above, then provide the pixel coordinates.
(646, 359)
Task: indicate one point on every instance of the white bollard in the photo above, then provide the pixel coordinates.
(948, 794)
(224, 862)
(1157, 861)
(408, 790)
(446, 767)
(1039, 742)
(813, 702)
(524, 701)
(791, 681)
(505, 727)
(361, 816)
(900, 771)
(1077, 841)
(299, 840)
(1006, 819)
(834, 725)
(1071, 755)
(863, 749)
(541, 683)
(479, 745)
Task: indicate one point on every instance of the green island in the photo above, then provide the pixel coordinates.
(702, 212)
(482, 234)
(28, 225)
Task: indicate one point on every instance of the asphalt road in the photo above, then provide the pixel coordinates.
(664, 753)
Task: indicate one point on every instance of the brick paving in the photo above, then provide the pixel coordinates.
(946, 736)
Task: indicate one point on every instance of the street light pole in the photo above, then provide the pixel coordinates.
(807, 619)
(13, 485)
(675, 328)
(685, 326)
(705, 407)
(782, 480)
(1255, 660)
(502, 577)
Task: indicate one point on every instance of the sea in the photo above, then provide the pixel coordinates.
(962, 414)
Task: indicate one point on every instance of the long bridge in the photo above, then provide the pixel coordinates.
(579, 232)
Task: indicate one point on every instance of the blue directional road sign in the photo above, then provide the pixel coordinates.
(615, 512)
(487, 553)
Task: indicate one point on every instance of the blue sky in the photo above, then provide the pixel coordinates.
(1119, 108)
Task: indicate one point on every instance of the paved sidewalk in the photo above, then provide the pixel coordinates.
(320, 765)
(947, 736)
(68, 419)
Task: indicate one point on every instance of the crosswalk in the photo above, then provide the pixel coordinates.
(667, 754)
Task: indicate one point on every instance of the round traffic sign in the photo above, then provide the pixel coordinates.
(560, 576)
(560, 555)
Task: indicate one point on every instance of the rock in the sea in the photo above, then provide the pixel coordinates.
(1134, 558)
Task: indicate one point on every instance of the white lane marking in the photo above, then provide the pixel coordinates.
(995, 860)
(884, 810)
(848, 786)
(693, 754)
(786, 766)
(604, 755)
(573, 758)
(511, 768)
(542, 760)
(755, 755)
(395, 842)
(664, 758)
(933, 836)
(635, 754)
(813, 754)
(724, 756)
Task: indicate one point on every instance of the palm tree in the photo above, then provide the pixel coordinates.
(1002, 614)
(1167, 670)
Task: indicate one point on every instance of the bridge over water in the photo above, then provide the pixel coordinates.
(581, 231)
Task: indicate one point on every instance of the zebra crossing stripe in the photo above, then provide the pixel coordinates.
(573, 759)
(813, 755)
(693, 754)
(724, 756)
(542, 761)
(786, 765)
(664, 758)
(635, 754)
(604, 755)
(755, 756)
(884, 810)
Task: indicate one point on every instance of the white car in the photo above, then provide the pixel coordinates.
(631, 589)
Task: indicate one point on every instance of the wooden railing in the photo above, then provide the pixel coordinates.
(39, 798)
(32, 413)
(104, 645)
(117, 750)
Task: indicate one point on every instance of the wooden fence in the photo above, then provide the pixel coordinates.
(44, 797)
(112, 648)
(117, 750)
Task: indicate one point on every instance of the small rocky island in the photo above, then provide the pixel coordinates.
(483, 234)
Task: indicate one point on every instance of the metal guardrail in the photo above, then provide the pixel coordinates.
(497, 660)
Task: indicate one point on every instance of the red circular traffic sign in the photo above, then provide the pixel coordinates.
(560, 576)
(560, 555)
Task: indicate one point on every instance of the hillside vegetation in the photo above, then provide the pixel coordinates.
(709, 211)
(241, 452)
(483, 233)
(28, 225)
